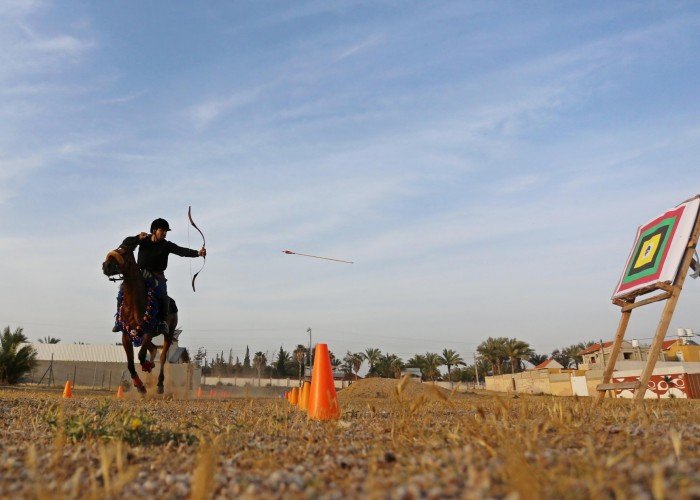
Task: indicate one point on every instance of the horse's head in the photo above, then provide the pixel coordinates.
(114, 263)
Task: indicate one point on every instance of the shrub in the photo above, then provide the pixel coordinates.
(15, 361)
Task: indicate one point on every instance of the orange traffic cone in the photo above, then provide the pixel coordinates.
(211, 393)
(120, 392)
(304, 397)
(199, 391)
(68, 390)
(323, 400)
(294, 399)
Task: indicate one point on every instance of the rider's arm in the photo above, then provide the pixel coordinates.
(131, 242)
(182, 252)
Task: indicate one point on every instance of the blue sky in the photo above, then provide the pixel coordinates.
(485, 164)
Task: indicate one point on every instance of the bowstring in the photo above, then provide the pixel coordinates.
(189, 246)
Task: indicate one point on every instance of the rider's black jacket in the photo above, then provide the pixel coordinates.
(154, 256)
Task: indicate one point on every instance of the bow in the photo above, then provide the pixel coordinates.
(204, 244)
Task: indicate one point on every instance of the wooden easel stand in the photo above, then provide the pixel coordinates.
(671, 293)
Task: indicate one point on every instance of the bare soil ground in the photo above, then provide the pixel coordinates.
(417, 442)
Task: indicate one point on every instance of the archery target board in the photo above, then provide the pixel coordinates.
(659, 248)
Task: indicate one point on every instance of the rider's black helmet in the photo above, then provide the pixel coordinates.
(159, 224)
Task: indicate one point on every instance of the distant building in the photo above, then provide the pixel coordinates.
(412, 372)
(595, 357)
(550, 364)
(680, 350)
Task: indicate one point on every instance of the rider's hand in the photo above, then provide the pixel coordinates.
(143, 236)
(203, 252)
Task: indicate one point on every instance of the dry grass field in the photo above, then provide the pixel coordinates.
(418, 442)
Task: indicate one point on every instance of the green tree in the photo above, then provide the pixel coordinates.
(536, 359)
(299, 356)
(200, 357)
(49, 340)
(493, 350)
(259, 363)
(335, 362)
(516, 350)
(15, 359)
(432, 364)
(450, 358)
(353, 362)
(371, 355)
(389, 366)
(281, 362)
(397, 365)
(246, 359)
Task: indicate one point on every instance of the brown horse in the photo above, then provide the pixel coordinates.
(132, 314)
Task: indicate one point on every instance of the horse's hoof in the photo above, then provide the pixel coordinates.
(147, 366)
(160, 389)
(139, 385)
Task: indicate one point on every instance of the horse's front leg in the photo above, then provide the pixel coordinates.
(129, 350)
(163, 358)
(146, 345)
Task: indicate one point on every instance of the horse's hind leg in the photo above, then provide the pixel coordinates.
(167, 342)
(129, 350)
(163, 358)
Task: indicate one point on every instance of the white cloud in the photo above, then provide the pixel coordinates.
(357, 48)
(204, 113)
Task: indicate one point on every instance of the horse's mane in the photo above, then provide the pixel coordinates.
(134, 302)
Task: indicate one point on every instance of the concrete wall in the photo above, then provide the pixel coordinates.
(532, 382)
(579, 385)
(680, 380)
(263, 382)
(180, 378)
(82, 373)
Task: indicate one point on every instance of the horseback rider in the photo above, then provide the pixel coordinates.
(153, 260)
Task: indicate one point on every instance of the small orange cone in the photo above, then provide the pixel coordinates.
(120, 392)
(211, 393)
(199, 391)
(68, 390)
(304, 397)
(323, 400)
(294, 399)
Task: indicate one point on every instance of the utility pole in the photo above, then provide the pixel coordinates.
(476, 370)
(602, 352)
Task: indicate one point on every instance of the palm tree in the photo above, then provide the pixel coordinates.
(450, 358)
(432, 363)
(516, 350)
(15, 361)
(536, 359)
(299, 355)
(335, 362)
(573, 353)
(493, 351)
(259, 362)
(371, 355)
(396, 365)
(353, 362)
(386, 366)
(49, 340)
